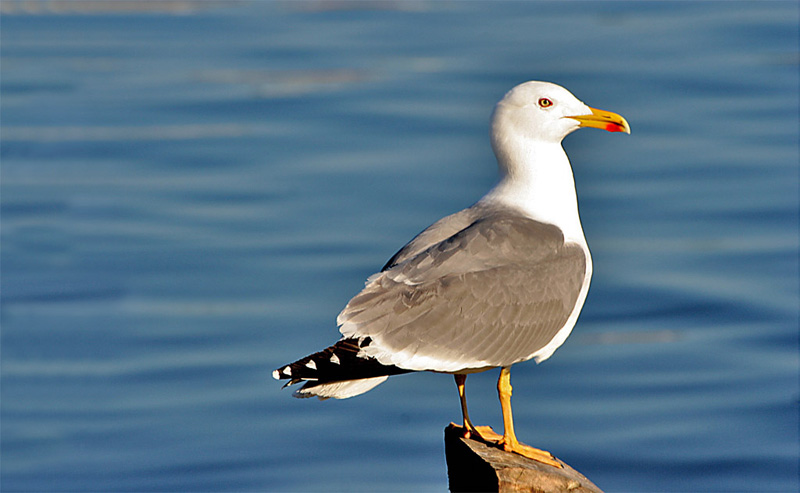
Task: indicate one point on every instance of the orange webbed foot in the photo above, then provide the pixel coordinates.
(532, 453)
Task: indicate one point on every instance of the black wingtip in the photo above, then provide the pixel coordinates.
(339, 362)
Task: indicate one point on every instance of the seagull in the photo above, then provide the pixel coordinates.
(496, 284)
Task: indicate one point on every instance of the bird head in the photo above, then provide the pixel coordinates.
(547, 112)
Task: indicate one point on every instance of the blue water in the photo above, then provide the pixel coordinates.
(191, 193)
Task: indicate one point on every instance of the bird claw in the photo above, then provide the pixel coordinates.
(483, 434)
(488, 436)
(532, 453)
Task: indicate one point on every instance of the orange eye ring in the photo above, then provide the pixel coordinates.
(545, 103)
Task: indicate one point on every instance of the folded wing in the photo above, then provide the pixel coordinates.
(492, 294)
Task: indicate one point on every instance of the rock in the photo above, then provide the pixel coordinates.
(474, 466)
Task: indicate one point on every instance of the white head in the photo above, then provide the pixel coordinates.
(546, 113)
(536, 110)
(528, 126)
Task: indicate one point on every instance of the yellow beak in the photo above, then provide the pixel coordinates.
(605, 120)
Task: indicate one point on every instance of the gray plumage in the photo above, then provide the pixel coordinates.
(481, 288)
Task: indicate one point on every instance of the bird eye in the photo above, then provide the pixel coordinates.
(545, 103)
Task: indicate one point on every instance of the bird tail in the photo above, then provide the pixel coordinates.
(337, 371)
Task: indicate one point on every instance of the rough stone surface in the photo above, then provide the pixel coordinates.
(473, 466)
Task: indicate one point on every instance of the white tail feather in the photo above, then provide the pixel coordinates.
(342, 389)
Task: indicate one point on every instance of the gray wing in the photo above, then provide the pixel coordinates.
(440, 230)
(490, 295)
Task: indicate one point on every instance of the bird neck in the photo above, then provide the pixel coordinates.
(536, 178)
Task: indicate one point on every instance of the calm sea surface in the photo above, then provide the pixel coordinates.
(192, 191)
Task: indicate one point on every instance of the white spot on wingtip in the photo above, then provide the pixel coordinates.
(311, 364)
(335, 359)
(276, 375)
(287, 371)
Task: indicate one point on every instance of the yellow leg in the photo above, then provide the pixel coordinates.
(509, 441)
(461, 383)
(484, 433)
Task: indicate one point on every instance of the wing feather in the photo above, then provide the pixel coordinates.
(492, 294)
